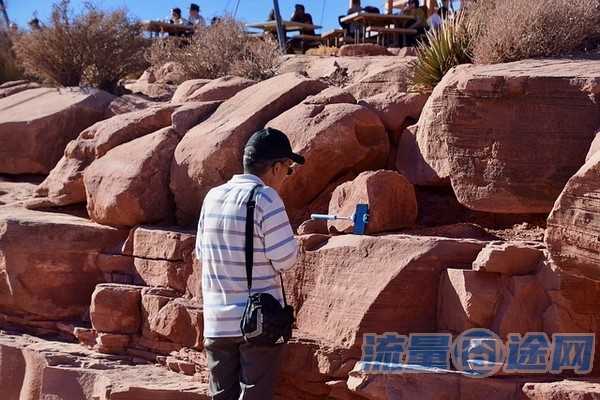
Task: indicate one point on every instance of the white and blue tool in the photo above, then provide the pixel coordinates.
(360, 218)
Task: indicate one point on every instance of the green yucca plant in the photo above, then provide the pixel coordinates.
(442, 49)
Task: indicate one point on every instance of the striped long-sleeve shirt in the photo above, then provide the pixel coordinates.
(220, 247)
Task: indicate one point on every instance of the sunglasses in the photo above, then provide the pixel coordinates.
(290, 171)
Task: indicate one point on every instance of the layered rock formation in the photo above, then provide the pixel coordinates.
(64, 185)
(573, 225)
(37, 124)
(510, 136)
(212, 151)
(131, 296)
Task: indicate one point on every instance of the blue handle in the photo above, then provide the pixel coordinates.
(323, 216)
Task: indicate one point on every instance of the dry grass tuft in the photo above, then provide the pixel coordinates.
(505, 31)
(219, 50)
(95, 48)
(9, 69)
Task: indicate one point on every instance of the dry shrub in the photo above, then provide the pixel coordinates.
(441, 50)
(505, 31)
(219, 50)
(95, 48)
(9, 69)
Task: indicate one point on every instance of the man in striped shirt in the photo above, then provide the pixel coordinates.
(240, 370)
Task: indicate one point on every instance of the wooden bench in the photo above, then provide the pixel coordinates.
(308, 38)
(333, 38)
(382, 33)
(305, 41)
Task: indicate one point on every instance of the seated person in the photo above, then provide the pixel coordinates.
(437, 18)
(195, 18)
(300, 15)
(34, 24)
(351, 28)
(412, 9)
(354, 7)
(176, 17)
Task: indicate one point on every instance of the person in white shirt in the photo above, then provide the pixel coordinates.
(435, 21)
(176, 17)
(238, 369)
(195, 18)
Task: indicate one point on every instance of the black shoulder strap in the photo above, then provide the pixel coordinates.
(249, 246)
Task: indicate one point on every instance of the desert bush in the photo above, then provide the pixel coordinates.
(9, 69)
(95, 48)
(441, 50)
(219, 50)
(497, 31)
(505, 31)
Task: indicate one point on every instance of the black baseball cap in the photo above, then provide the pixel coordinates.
(271, 144)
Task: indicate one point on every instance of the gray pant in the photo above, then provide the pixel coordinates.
(240, 370)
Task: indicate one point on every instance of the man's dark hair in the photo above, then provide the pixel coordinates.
(256, 166)
(194, 7)
(415, 2)
(300, 7)
(176, 11)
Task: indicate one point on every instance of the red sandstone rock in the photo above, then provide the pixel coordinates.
(335, 140)
(170, 274)
(32, 368)
(574, 224)
(390, 197)
(170, 73)
(220, 89)
(363, 50)
(128, 103)
(178, 322)
(396, 109)
(588, 389)
(594, 147)
(429, 386)
(331, 95)
(111, 343)
(160, 243)
(152, 91)
(411, 163)
(523, 304)
(509, 258)
(391, 79)
(311, 226)
(129, 185)
(480, 121)
(191, 114)
(37, 124)
(17, 87)
(48, 262)
(116, 309)
(467, 299)
(187, 88)
(15, 190)
(356, 284)
(64, 185)
(211, 152)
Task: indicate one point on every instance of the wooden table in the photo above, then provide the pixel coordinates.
(288, 26)
(159, 27)
(366, 20)
(333, 38)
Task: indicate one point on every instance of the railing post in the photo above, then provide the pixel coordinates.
(280, 30)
